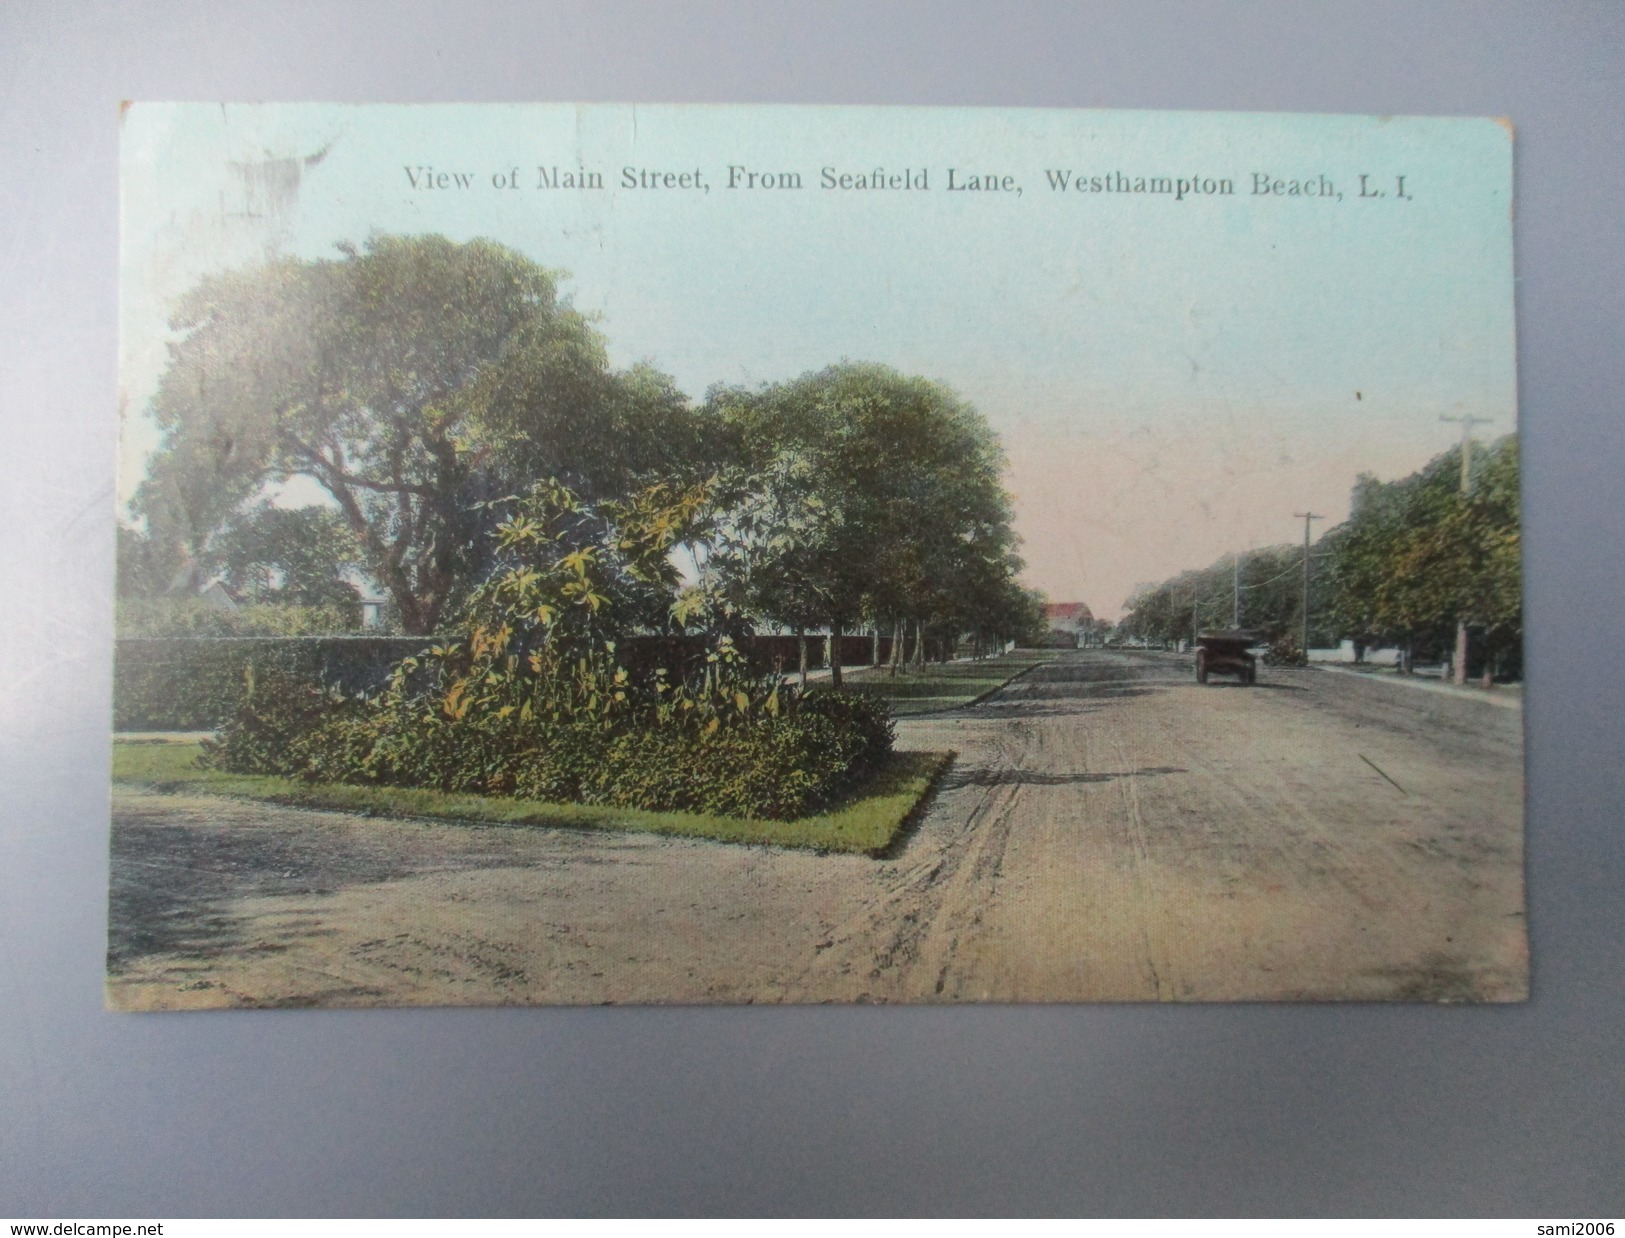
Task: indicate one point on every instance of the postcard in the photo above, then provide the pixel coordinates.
(690, 554)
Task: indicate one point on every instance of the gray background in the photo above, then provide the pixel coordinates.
(1137, 1110)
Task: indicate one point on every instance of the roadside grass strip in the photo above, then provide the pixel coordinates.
(864, 821)
(940, 686)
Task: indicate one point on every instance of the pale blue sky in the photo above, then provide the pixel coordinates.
(1172, 379)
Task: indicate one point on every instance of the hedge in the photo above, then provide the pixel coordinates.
(189, 683)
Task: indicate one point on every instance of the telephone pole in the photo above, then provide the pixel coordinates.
(1458, 672)
(1235, 591)
(1306, 517)
(1467, 422)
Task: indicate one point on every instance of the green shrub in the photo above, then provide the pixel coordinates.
(766, 769)
(535, 698)
(769, 767)
(867, 715)
(774, 767)
(278, 716)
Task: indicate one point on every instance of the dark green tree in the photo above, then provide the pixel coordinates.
(1416, 556)
(418, 381)
(144, 569)
(294, 555)
(862, 493)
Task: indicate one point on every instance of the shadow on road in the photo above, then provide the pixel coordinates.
(1044, 700)
(1006, 711)
(1026, 777)
(1255, 687)
(172, 884)
(167, 895)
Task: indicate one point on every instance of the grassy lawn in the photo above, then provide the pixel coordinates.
(945, 685)
(865, 821)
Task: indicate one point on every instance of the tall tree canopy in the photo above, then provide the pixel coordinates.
(416, 380)
(298, 555)
(1415, 556)
(864, 493)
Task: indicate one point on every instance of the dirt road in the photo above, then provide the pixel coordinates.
(1110, 831)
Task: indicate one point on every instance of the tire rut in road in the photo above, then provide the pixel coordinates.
(905, 942)
(1157, 959)
(970, 887)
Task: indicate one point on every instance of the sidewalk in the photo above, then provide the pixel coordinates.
(1505, 697)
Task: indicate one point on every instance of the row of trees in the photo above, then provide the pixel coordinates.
(866, 496)
(1260, 590)
(424, 385)
(1416, 557)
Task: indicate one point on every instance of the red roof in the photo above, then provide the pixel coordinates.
(1067, 612)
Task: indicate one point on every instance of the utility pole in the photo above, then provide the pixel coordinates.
(1235, 592)
(1458, 672)
(1306, 517)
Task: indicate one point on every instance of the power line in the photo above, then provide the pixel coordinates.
(1282, 576)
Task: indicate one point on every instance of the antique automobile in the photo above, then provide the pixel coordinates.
(1226, 653)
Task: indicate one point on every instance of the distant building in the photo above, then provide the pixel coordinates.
(217, 596)
(1069, 623)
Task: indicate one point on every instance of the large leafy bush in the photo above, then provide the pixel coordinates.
(534, 700)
